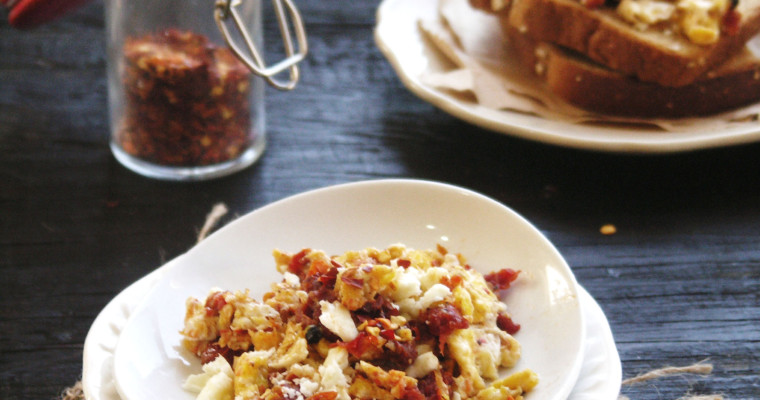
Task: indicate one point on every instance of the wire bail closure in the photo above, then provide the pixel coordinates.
(253, 59)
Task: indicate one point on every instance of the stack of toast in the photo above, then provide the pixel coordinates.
(638, 58)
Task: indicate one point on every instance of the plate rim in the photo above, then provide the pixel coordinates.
(676, 142)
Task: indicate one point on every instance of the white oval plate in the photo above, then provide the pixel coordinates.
(149, 363)
(398, 37)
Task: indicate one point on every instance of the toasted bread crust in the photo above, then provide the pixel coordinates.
(488, 6)
(484, 5)
(651, 55)
(596, 88)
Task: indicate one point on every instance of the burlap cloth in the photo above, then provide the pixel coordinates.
(76, 392)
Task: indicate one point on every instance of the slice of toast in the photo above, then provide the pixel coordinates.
(593, 87)
(653, 54)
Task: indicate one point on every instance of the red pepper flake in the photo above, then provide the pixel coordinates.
(363, 345)
(355, 282)
(319, 267)
(186, 100)
(388, 334)
(328, 278)
(505, 323)
(403, 263)
(501, 279)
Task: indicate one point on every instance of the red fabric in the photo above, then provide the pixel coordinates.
(27, 14)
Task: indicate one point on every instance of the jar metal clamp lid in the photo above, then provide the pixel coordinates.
(24, 14)
(225, 13)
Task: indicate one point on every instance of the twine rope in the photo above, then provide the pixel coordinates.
(700, 368)
(213, 217)
(73, 393)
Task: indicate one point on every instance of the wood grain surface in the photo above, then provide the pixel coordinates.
(679, 281)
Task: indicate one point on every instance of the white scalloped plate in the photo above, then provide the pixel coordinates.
(147, 361)
(398, 37)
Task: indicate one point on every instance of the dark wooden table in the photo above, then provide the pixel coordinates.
(679, 281)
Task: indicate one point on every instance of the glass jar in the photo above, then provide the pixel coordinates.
(183, 102)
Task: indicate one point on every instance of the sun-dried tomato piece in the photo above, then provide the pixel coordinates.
(400, 355)
(505, 323)
(437, 385)
(501, 279)
(428, 387)
(321, 281)
(213, 351)
(328, 278)
(412, 393)
(318, 287)
(378, 307)
(298, 263)
(442, 319)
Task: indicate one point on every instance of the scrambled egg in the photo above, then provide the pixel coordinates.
(388, 324)
(699, 20)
